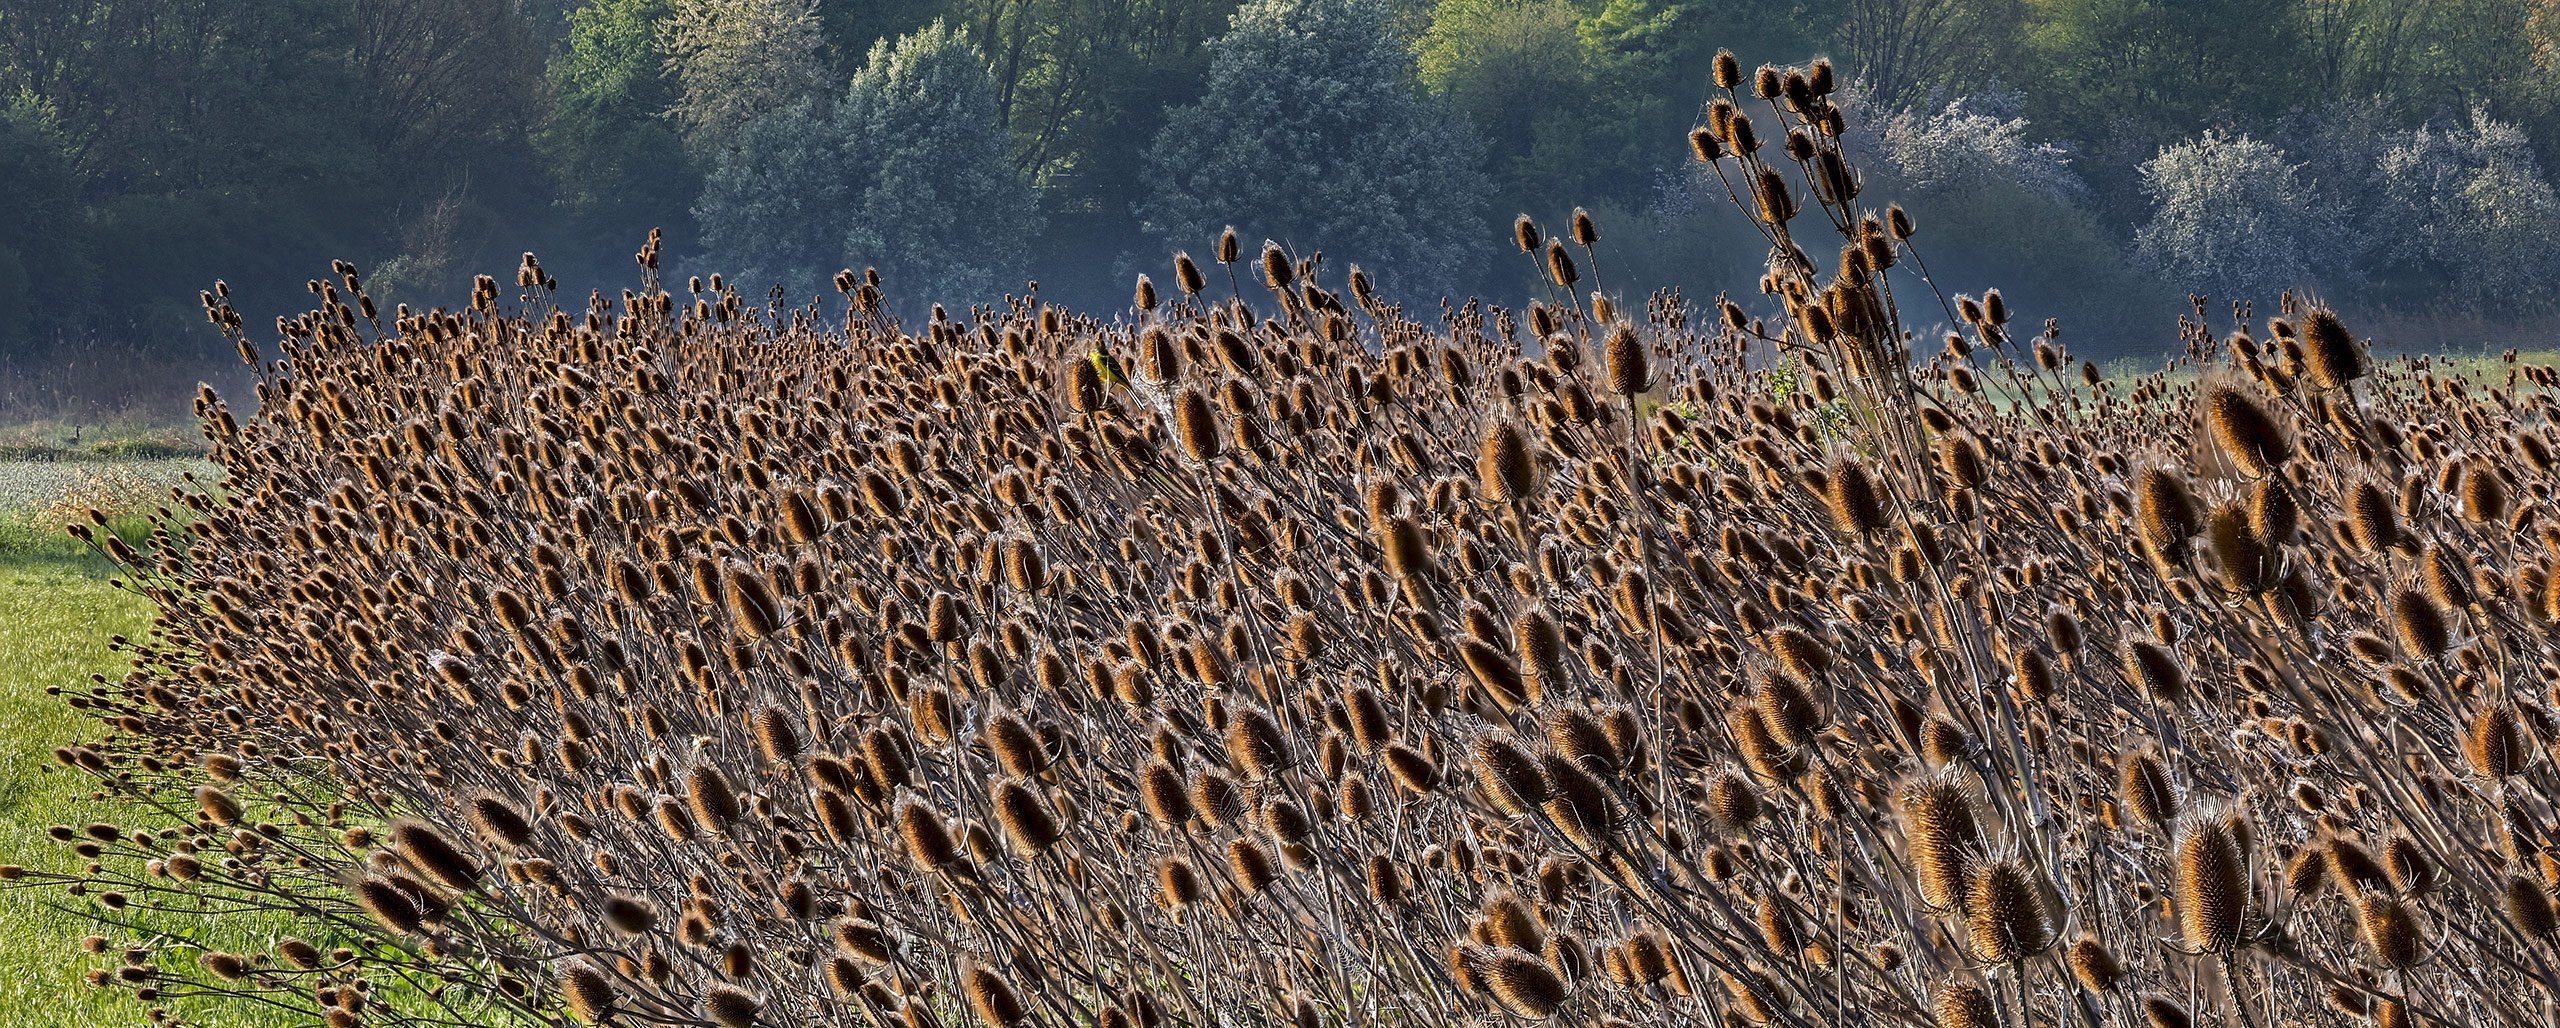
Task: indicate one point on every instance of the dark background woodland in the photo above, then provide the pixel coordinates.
(2100, 159)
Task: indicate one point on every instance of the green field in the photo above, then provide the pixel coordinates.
(57, 612)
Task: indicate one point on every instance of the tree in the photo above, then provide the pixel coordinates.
(2123, 78)
(1899, 50)
(1310, 132)
(2235, 219)
(2469, 205)
(909, 173)
(940, 207)
(771, 207)
(1517, 69)
(737, 60)
(43, 268)
(619, 168)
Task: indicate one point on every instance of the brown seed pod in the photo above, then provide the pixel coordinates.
(1506, 471)
(2390, 930)
(2162, 1012)
(1523, 983)
(1855, 503)
(1628, 364)
(1945, 836)
(2005, 916)
(2096, 968)
(2146, 790)
(991, 998)
(2495, 745)
(2331, 357)
(590, 995)
(426, 848)
(2211, 880)
(1026, 819)
(1962, 1004)
(2250, 438)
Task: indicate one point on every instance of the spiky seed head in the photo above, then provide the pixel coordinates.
(2495, 744)
(2005, 914)
(494, 819)
(2211, 885)
(927, 836)
(426, 848)
(2529, 905)
(1944, 834)
(2155, 668)
(2162, 1012)
(2389, 929)
(2165, 511)
(2331, 355)
(389, 905)
(217, 806)
(1855, 502)
(1962, 1004)
(1506, 469)
(1785, 707)
(1186, 274)
(2421, 626)
(1628, 361)
(1026, 819)
(991, 998)
(1507, 773)
(2146, 790)
(2249, 436)
(591, 996)
(1196, 424)
(1523, 982)
(2094, 965)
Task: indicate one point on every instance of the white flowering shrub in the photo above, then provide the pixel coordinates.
(2470, 204)
(2234, 218)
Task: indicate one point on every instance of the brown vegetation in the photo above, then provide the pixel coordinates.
(678, 661)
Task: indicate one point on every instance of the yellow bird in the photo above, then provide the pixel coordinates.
(1109, 367)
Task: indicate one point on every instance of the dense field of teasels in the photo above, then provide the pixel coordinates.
(1298, 658)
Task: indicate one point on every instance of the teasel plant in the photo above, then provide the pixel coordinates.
(686, 657)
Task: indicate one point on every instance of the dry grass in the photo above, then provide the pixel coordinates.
(1287, 659)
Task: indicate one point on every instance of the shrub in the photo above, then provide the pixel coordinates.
(2471, 205)
(2235, 219)
(1308, 133)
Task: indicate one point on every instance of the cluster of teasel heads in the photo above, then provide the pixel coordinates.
(1287, 660)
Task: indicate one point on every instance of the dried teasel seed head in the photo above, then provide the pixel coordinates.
(991, 997)
(2211, 879)
(2005, 915)
(2249, 437)
(2096, 968)
(1962, 1004)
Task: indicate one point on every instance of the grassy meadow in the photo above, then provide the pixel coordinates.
(58, 612)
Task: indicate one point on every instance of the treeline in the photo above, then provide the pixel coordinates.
(2099, 158)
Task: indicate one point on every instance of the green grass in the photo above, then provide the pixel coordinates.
(57, 612)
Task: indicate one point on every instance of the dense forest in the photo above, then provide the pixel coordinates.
(2101, 159)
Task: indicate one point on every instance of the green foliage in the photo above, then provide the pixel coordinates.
(620, 166)
(2235, 218)
(41, 255)
(736, 61)
(938, 206)
(909, 173)
(152, 146)
(1309, 133)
